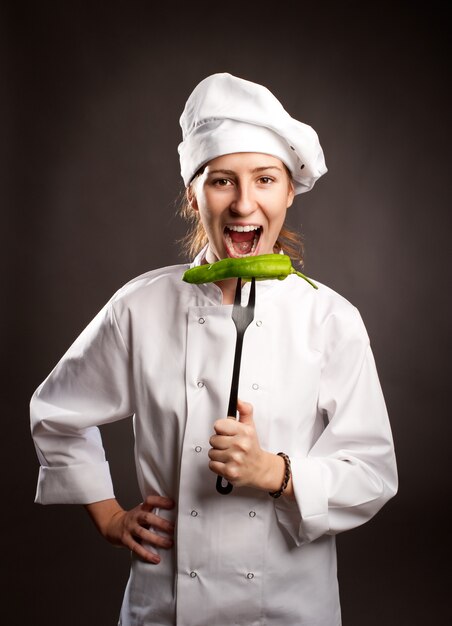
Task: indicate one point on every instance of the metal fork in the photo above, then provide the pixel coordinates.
(242, 317)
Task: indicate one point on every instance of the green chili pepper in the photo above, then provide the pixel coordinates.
(261, 267)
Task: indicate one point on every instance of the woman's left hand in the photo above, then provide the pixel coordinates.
(237, 456)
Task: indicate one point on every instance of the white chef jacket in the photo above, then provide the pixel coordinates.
(162, 350)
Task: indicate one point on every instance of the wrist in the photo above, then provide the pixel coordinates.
(287, 479)
(272, 471)
(103, 513)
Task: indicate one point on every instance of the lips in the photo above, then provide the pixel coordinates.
(242, 239)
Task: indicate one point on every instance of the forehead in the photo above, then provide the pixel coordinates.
(243, 161)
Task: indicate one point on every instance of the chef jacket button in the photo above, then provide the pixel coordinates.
(250, 575)
(252, 513)
(198, 449)
(194, 513)
(200, 384)
(201, 320)
(258, 323)
(193, 574)
(255, 386)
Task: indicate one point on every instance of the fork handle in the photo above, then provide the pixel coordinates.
(223, 486)
(232, 406)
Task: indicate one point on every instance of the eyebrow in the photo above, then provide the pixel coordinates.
(253, 171)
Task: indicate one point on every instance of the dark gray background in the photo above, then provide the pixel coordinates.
(89, 184)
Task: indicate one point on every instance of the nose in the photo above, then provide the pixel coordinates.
(244, 202)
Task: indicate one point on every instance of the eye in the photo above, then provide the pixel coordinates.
(221, 182)
(266, 180)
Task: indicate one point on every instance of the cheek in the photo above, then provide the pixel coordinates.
(208, 219)
(277, 216)
(209, 208)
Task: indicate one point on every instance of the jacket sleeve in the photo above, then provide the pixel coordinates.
(90, 386)
(350, 472)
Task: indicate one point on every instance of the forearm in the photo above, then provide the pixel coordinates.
(102, 513)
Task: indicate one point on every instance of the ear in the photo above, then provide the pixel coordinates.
(191, 197)
(290, 194)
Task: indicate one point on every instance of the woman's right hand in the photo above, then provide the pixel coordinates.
(130, 528)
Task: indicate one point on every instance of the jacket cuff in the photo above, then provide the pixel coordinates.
(306, 519)
(74, 484)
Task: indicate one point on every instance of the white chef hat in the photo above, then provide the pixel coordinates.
(226, 114)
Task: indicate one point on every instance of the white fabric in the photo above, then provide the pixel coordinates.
(225, 114)
(163, 350)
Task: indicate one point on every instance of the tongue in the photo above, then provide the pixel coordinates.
(242, 247)
(243, 241)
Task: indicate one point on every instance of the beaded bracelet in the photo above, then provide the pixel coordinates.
(287, 473)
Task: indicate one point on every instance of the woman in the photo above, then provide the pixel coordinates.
(162, 351)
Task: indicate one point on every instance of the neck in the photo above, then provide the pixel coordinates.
(228, 288)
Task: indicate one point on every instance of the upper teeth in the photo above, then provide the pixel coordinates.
(244, 229)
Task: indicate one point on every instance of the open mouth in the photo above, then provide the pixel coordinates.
(242, 241)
